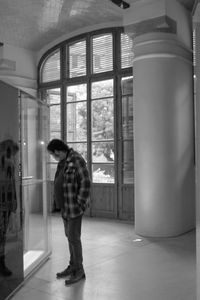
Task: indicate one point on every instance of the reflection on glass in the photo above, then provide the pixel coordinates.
(103, 173)
(77, 93)
(127, 117)
(127, 85)
(76, 122)
(8, 196)
(52, 98)
(127, 130)
(128, 166)
(128, 173)
(102, 119)
(11, 235)
(34, 134)
(54, 121)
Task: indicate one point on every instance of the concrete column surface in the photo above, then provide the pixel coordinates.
(163, 136)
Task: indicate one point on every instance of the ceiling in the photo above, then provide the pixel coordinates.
(32, 24)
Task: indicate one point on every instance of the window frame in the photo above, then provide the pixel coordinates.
(117, 73)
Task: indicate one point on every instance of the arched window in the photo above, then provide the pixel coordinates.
(50, 70)
(88, 84)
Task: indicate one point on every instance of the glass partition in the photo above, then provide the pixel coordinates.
(11, 235)
(34, 138)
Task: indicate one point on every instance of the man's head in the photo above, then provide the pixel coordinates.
(58, 149)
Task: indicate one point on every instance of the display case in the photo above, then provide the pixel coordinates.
(24, 209)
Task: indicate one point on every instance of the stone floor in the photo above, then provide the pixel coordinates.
(119, 265)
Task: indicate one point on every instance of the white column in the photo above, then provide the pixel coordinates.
(163, 136)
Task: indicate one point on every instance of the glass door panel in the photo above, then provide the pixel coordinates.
(126, 145)
(34, 137)
(103, 160)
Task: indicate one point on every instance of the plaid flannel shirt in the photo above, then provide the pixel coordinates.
(76, 185)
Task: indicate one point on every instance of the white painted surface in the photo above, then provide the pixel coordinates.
(164, 137)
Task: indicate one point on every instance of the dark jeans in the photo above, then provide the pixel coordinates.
(73, 234)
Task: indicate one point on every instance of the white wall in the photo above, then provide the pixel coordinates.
(18, 66)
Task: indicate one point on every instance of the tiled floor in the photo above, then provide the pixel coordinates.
(118, 265)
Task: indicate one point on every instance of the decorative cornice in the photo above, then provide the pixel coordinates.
(155, 44)
(158, 24)
(162, 55)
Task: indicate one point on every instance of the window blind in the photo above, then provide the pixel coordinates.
(126, 51)
(51, 68)
(77, 59)
(102, 53)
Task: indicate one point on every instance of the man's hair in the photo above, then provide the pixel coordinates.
(58, 145)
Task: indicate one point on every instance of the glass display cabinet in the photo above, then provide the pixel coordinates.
(24, 218)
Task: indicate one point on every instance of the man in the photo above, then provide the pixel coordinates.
(71, 188)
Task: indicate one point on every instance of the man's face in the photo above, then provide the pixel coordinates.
(58, 155)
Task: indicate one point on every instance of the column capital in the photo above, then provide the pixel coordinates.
(157, 24)
(159, 45)
(166, 16)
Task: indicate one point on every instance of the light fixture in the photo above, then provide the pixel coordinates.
(137, 240)
(122, 4)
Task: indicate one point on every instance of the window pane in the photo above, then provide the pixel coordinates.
(77, 93)
(103, 173)
(126, 51)
(127, 117)
(80, 148)
(52, 97)
(102, 53)
(51, 68)
(77, 59)
(55, 121)
(103, 152)
(127, 108)
(102, 119)
(127, 85)
(102, 89)
(76, 122)
(127, 161)
(127, 130)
